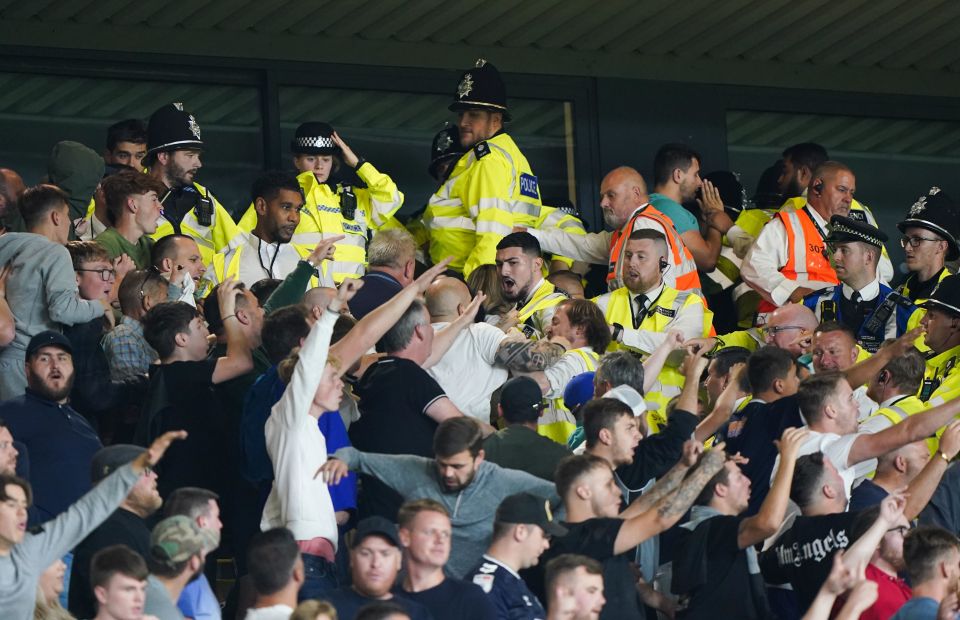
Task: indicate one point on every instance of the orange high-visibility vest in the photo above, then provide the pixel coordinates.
(805, 248)
(681, 259)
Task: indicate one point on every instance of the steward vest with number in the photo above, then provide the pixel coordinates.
(941, 379)
(858, 211)
(489, 187)
(327, 213)
(806, 250)
(660, 315)
(557, 422)
(532, 313)
(683, 269)
(213, 229)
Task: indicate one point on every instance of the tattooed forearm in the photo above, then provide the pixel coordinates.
(528, 355)
(664, 486)
(677, 503)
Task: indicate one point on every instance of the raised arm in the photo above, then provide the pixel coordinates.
(921, 488)
(891, 510)
(914, 428)
(238, 359)
(655, 361)
(372, 327)
(673, 506)
(861, 373)
(767, 521)
(667, 483)
(723, 408)
(443, 339)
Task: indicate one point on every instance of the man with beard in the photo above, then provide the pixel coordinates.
(178, 547)
(643, 312)
(626, 209)
(676, 170)
(126, 526)
(59, 441)
(469, 487)
(490, 186)
(178, 259)
(173, 158)
(521, 276)
(266, 251)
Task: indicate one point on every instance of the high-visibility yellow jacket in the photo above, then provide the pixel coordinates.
(941, 379)
(658, 319)
(552, 217)
(211, 239)
(918, 312)
(322, 218)
(488, 187)
(556, 421)
(538, 311)
(900, 410)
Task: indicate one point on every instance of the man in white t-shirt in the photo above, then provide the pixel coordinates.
(480, 358)
(828, 405)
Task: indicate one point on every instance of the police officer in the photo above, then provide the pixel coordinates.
(941, 380)
(521, 533)
(445, 150)
(645, 309)
(336, 207)
(789, 259)
(860, 301)
(929, 240)
(173, 157)
(489, 185)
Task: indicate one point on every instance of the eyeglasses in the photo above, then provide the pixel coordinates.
(776, 329)
(914, 242)
(903, 529)
(105, 274)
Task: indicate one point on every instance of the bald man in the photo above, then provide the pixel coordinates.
(480, 358)
(626, 207)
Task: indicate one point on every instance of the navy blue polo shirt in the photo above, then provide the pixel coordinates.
(378, 288)
(60, 443)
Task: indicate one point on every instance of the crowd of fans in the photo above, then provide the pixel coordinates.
(320, 411)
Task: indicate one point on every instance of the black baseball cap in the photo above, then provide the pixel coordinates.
(49, 338)
(108, 460)
(520, 395)
(376, 526)
(529, 509)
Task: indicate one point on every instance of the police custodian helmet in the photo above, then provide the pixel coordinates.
(940, 214)
(481, 88)
(172, 129)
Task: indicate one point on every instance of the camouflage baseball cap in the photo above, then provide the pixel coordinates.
(177, 539)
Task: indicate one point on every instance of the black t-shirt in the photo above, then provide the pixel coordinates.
(803, 555)
(182, 395)
(764, 424)
(121, 528)
(711, 573)
(348, 602)
(394, 395)
(453, 599)
(595, 538)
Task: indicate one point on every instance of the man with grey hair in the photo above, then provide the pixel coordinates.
(400, 404)
(391, 258)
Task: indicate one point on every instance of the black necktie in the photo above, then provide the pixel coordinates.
(856, 298)
(641, 312)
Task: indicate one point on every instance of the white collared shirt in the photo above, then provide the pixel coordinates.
(867, 293)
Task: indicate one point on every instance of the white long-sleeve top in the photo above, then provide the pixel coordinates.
(297, 448)
(761, 266)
